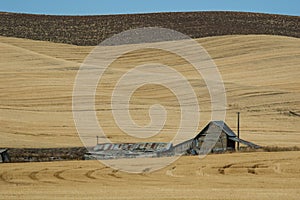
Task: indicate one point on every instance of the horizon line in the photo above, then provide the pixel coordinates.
(145, 13)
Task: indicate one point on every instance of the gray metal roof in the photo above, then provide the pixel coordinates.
(250, 144)
(134, 147)
(225, 127)
(221, 124)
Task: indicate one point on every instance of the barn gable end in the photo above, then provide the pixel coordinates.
(224, 138)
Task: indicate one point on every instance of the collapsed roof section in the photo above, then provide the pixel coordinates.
(134, 147)
(129, 150)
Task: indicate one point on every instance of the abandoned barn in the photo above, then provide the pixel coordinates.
(215, 137)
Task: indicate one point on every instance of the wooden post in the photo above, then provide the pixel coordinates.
(238, 129)
(97, 139)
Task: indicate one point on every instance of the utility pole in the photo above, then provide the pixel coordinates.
(238, 129)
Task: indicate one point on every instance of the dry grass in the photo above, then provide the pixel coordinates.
(268, 149)
(275, 148)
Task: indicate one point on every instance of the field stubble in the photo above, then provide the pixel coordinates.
(261, 76)
(225, 176)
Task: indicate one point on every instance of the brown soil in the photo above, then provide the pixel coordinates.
(91, 30)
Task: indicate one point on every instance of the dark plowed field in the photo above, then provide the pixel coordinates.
(91, 30)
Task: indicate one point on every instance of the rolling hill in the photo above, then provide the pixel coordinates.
(258, 56)
(91, 30)
(260, 74)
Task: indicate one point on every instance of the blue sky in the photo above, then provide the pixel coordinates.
(91, 7)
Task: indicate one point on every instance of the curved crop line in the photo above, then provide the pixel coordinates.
(89, 174)
(58, 175)
(114, 174)
(251, 169)
(33, 176)
(7, 180)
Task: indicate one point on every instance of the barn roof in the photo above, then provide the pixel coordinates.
(250, 144)
(134, 147)
(220, 124)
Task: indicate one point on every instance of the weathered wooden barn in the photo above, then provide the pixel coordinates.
(215, 137)
(227, 139)
(4, 157)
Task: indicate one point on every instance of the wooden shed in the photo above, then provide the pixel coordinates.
(215, 137)
(221, 136)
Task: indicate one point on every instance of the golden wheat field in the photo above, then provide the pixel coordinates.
(261, 77)
(227, 176)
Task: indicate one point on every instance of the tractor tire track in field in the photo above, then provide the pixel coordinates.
(89, 174)
(114, 174)
(7, 178)
(252, 168)
(59, 175)
(34, 176)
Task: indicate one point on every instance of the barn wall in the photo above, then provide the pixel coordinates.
(231, 144)
(183, 147)
(222, 144)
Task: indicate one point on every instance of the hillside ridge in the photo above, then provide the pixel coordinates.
(93, 29)
(260, 74)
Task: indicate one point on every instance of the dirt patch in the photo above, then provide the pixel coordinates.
(46, 154)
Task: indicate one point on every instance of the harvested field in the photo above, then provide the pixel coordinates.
(227, 176)
(260, 74)
(91, 30)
